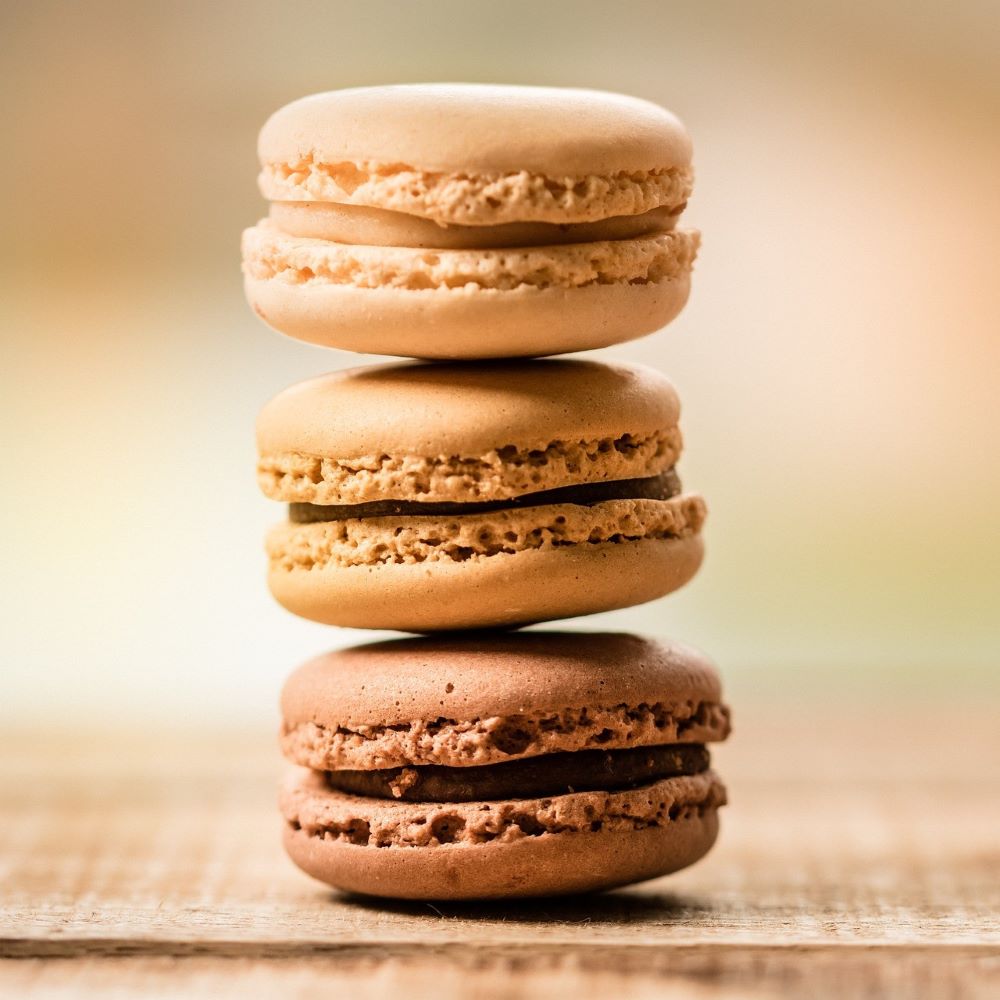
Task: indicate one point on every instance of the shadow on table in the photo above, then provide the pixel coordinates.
(621, 907)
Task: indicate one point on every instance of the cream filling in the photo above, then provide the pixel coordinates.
(357, 224)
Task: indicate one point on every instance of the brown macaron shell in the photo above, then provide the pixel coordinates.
(583, 842)
(470, 700)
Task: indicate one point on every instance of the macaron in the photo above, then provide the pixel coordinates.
(455, 221)
(426, 497)
(501, 765)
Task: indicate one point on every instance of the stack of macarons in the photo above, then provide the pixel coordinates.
(474, 228)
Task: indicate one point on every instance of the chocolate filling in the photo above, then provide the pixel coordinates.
(530, 778)
(661, 487)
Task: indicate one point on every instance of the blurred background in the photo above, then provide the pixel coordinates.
(838, 361)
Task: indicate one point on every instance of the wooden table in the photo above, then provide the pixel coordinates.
(860, 855)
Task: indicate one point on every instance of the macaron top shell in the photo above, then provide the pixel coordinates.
(478, 153)
(465, 431)
(478, 699)
(462, 408)
(465, 677)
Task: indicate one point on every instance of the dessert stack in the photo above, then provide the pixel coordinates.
(483, 487)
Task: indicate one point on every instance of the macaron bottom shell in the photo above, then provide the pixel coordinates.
(617, 844)
(468, 322)
(498, 591)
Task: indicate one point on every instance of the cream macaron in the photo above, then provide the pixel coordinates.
(451, 221)
(490, 766)
(426, 497)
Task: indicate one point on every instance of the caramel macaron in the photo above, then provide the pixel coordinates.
(501, 765)
(470, 221)
(428, 497)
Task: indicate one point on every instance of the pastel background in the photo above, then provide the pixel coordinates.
(839, 362)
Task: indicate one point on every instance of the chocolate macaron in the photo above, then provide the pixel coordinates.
(470, 221)
(501, 765)
(432, 497)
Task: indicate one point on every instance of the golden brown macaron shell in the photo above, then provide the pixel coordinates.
(465, 432)
(475, 434)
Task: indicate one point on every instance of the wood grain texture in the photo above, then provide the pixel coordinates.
(860, 855)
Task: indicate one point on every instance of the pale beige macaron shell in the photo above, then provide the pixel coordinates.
(477, 154)
(461, 160)
(527, 302)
